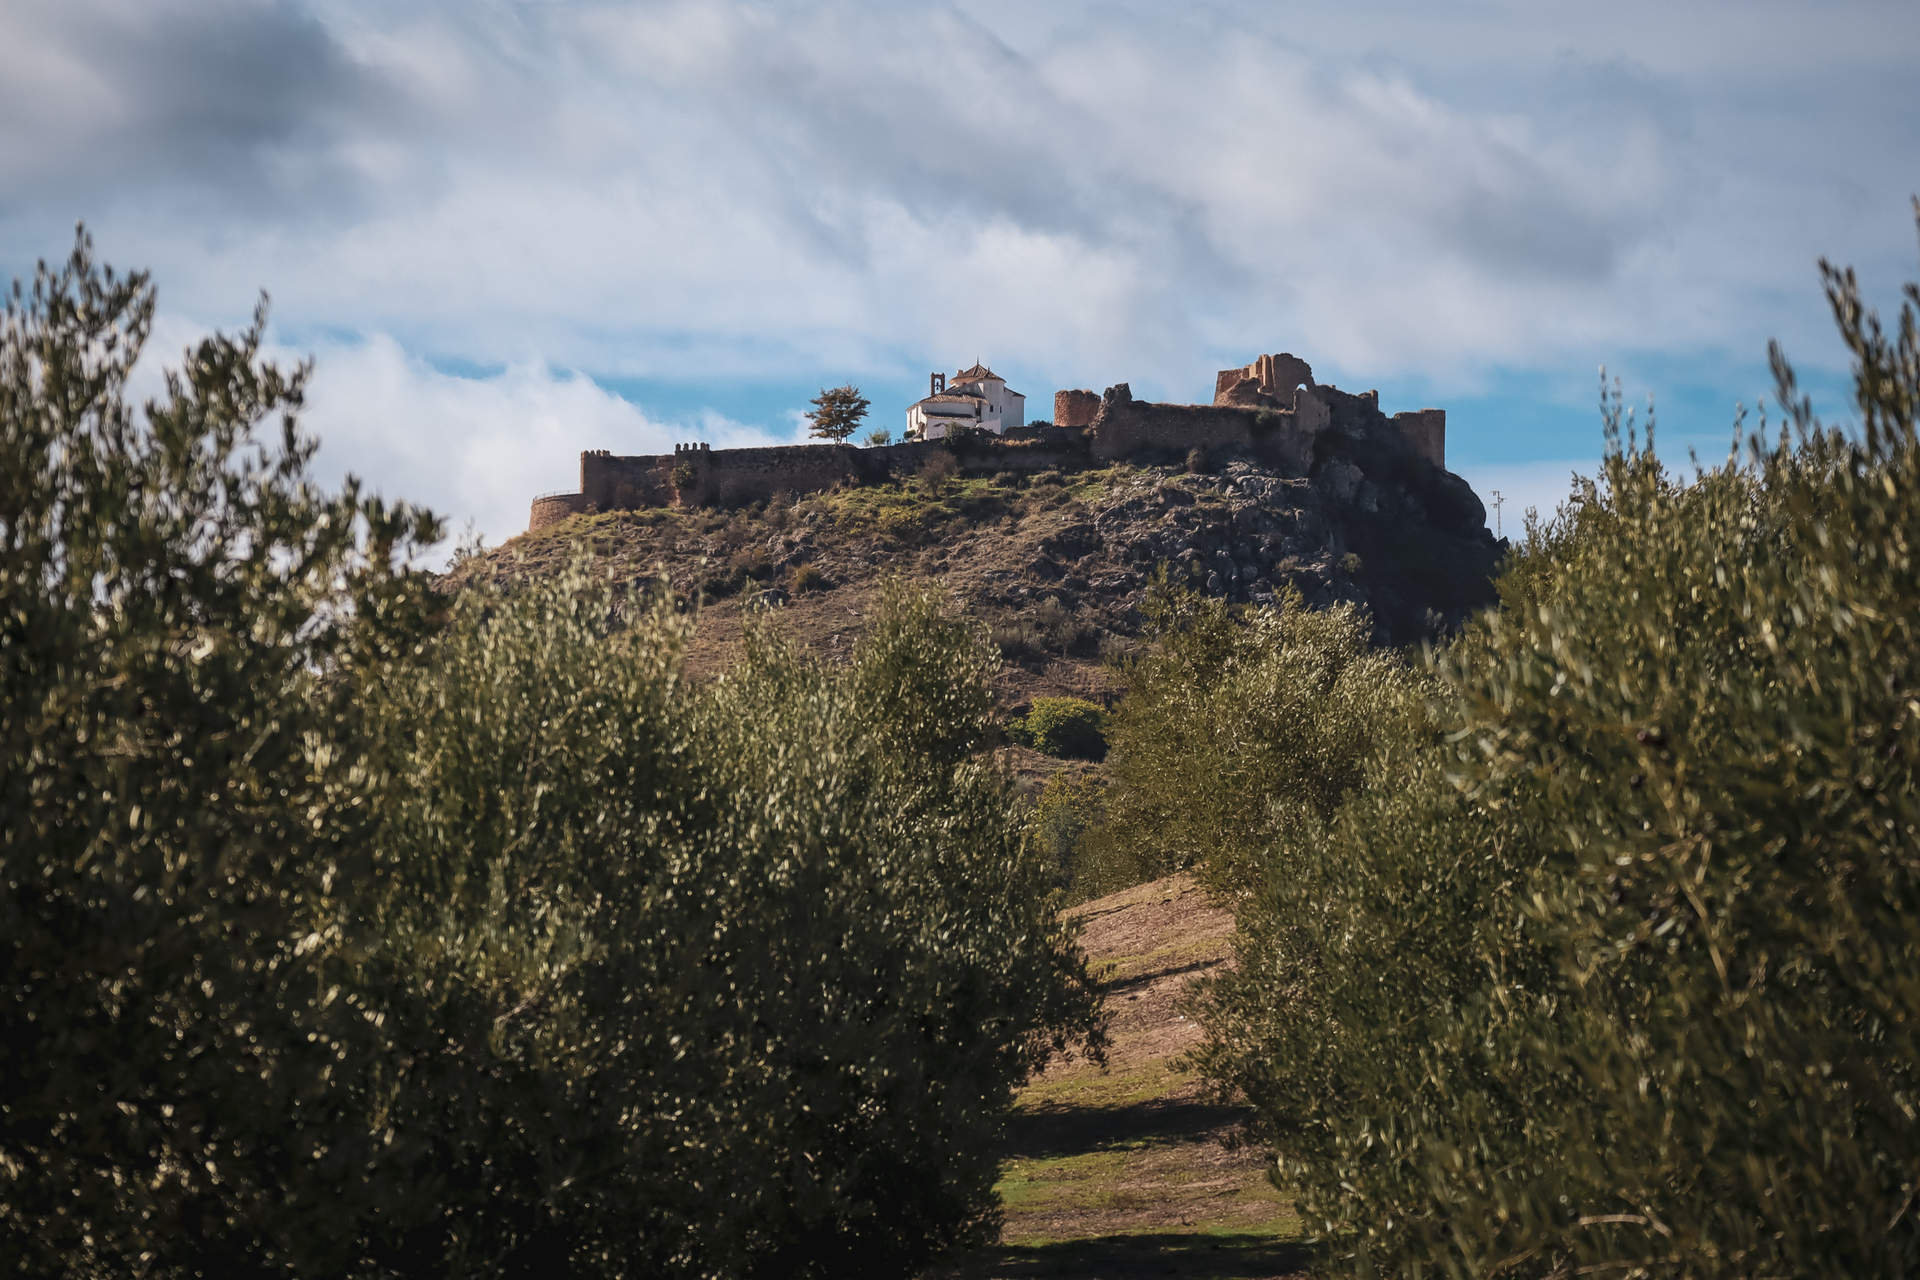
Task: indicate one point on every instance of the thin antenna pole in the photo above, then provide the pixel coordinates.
(1498, 502)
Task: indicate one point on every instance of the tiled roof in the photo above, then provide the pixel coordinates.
(951, 397)
(974, 374)
(974, 382)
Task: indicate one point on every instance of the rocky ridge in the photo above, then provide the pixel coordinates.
(1059, 564)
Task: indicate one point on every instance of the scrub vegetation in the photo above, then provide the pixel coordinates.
(357, 924)
(1588, 943)
(349, 930)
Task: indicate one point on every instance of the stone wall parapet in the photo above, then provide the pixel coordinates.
(1271, 410)
(552, 508)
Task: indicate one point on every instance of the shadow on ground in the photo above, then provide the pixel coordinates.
(1138, 980)
(1043, 1133)
(1135, 1257)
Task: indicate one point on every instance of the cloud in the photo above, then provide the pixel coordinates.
(473, 448)
(707, 191)
(226, 105)
(625, 187)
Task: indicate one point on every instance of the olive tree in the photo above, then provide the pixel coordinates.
(346, 929)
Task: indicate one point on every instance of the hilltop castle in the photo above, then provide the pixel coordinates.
(1271, 410)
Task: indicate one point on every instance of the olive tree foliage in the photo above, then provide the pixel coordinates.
(346, 930)
(775, 934)
(185, 1066)
(1237, 723)
(1623, 976)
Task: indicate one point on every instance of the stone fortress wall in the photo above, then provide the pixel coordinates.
(552, 508)
(1276, 383)
(1075, 408)
(1426, 431)
(1271, 410)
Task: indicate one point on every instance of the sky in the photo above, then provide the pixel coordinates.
(509, 230)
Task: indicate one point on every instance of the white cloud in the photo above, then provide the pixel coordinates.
(474, 449)
(597, 184)
(1079, 193)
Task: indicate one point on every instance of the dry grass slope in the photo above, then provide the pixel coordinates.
(1125, 1172)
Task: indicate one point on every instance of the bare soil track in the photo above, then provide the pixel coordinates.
(1125, 1172)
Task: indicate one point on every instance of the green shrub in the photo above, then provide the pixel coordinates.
(752, 565)
(819, 893)
(1198, 460)
(719, 582)
(1066, 806)
(1071, 728)
(1235, 723)
(1621, 978)
(341, 938)
(193, 1078)
(807, 578)
(683, 477)
(1114, 650)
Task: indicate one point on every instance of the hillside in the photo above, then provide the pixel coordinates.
(1057, 564)
(1125, 1171)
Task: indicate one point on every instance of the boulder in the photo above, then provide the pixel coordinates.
(1340, 480)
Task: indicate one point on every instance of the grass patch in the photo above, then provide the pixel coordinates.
(1088, 487)
(1092, 1087)
(918, 509)
(1175, 955)
(1062, 1182)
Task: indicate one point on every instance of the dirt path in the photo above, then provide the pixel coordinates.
(1123, 1172)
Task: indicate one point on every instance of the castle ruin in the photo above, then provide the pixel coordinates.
(1271, 410)
(1268, 383)
(1075, 408)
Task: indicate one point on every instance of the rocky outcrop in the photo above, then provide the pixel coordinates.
(1358, 523)
(1415, 551)
(1327, 497)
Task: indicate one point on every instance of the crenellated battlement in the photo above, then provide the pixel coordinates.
(1271, 409)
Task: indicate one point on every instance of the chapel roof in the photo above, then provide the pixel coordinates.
(975, 374)
(962, 380)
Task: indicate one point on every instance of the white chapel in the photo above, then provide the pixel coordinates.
(975, 398)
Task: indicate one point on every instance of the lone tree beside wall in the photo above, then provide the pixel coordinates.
(838, 412)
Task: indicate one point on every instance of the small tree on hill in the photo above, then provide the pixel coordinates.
(838, 412)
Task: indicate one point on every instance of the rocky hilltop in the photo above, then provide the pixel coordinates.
(1058, 562)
